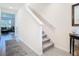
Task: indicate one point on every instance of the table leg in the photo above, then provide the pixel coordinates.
(70, 44)
(73, 47)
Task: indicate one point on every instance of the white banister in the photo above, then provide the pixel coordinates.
(34, 16)
(42, 19)
(47, 27)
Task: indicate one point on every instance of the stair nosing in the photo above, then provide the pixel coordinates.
(45, 40)
(44, 36)
(47, 45)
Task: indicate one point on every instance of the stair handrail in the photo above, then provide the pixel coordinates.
(34, 16)
(42, 19)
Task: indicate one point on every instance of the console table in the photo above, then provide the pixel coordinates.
(73, 37)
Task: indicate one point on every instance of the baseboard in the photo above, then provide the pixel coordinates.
(57, 46)
(38, 54)
(32, 48)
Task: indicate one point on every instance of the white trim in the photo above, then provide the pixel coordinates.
(57, 46)
(31, 48)
(19, 38)
(31, 13)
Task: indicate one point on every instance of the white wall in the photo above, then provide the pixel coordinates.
(29, 30)
(59, 15)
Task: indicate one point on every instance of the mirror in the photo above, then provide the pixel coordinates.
(75, 14)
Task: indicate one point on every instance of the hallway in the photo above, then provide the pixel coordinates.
(28, 22)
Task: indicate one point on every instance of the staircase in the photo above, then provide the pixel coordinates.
(47, 29)
(46, 42)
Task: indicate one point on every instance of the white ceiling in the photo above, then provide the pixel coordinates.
(13, 6)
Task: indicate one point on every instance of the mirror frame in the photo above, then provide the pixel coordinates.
(73, 20)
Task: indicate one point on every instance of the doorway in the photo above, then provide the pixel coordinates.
(7, 28)
(7, 25)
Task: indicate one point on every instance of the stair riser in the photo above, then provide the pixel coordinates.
(45, 41)
(44, 36)
(45, 49)
(43, 32)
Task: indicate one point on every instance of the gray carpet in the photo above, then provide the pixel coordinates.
(14, 49)
(18, 48)
(56, 52)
